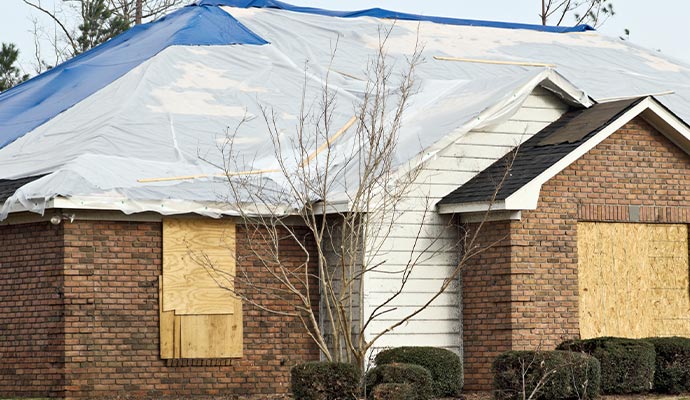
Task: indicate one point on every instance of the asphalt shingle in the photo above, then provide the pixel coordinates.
(9, 186)
(547, 147)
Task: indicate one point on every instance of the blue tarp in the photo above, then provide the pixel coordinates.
(381, 13)
(36, 101)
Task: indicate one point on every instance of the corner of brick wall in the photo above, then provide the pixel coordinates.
(486, 286)
(31, 310)
(536, 275)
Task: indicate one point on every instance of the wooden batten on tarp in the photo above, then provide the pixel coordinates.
(199, 315)
(633, 280)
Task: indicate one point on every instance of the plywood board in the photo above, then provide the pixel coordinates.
(633, 280)
(212, 336)
(166, 321)
(198, 266)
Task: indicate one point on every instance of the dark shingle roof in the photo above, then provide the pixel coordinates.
(539, 153)
(9, 186)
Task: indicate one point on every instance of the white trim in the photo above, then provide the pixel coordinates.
(136, 210)
(507, 215)
(332, 207)
(163, 207)
(462, 208)
(527, 197)
(675, 129)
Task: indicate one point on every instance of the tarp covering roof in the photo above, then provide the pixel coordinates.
(33, 103)
(159, 100)
(389, 14)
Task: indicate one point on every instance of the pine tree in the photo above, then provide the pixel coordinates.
(9, 72)
(99, 24)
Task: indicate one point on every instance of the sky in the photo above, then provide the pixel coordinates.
(664, 27)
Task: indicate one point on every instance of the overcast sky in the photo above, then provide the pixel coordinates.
(662, 25)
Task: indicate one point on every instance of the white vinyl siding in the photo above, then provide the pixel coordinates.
(441, 324)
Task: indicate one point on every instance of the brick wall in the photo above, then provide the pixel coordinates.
(31, 305)
(79, 318)
(636, 171)
(111, 321)
(486, 303)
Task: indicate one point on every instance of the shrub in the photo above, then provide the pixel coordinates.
(325, 381)
(627, 365)
(551, 375)
(393, 391)
(418, 377)
(672, 374)
(444, 365)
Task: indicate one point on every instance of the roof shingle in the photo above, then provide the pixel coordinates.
(9, 186)
(537, 154)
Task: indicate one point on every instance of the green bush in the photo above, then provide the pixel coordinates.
(325, 381)
(551, 375)
(672, 374)
(444, 365)
(415, 375)
(627, 365)
(393, 391)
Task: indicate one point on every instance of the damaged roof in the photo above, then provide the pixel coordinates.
(136, 123)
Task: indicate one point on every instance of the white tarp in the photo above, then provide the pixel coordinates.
(169, 116)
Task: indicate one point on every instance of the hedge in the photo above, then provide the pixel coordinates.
(627, 365)
(551, 375)
(325, 381)
(393, 391)
(672, 374)
(415, 375)
(444, 365)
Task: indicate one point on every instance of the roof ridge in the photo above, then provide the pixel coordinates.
(390, 14)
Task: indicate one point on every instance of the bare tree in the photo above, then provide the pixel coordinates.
(346, 237)
(83, 24)
(593, 12)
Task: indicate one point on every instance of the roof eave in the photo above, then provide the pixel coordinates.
(527, 197)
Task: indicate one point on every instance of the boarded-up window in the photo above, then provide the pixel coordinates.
(633, 280)
(199, 315)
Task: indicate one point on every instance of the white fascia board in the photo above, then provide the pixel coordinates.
(480, 206)
(170, 207)
(675, 129)
(332, 207)
(164, 207)
(478, 217)
(527, 197)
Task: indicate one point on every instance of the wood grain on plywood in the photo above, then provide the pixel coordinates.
(211, 336)
(198, 266)
(633, 279)
(166, 325)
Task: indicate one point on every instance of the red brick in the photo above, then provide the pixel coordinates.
(634, 166)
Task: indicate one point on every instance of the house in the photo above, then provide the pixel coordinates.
(564, 150)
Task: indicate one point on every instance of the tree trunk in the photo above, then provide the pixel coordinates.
(139, 12)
